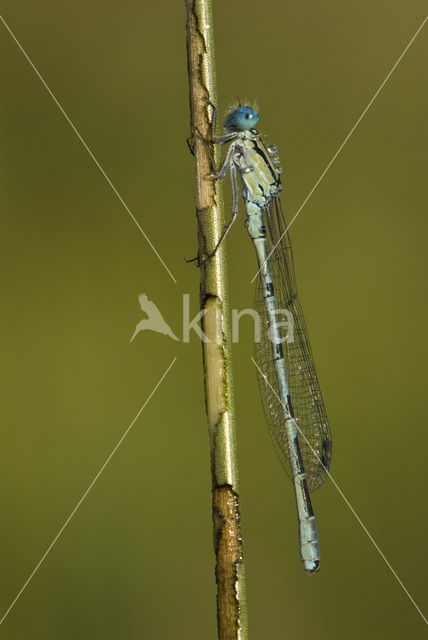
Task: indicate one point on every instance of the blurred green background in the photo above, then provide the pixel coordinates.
(136, 561)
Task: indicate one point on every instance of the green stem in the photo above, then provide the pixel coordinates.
(230, 574)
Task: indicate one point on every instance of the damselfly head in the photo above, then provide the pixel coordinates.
(241, 119)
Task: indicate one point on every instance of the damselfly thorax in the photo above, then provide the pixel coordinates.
(260, 177)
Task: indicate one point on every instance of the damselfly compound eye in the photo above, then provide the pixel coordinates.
(242, 119)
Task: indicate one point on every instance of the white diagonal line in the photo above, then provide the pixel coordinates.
(366, 531)
(343, 143)
(36, 568)
(121, 200)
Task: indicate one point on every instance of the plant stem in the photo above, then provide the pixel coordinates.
(230, 573)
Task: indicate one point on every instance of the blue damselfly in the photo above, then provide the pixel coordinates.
(289, 387)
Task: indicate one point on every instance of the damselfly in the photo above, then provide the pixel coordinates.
(289, 387)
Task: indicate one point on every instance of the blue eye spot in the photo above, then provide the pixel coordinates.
(242, 119)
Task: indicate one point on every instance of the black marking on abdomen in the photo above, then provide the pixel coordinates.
(303, 483)
(290, 406)
(307, 498)
(279, 355)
